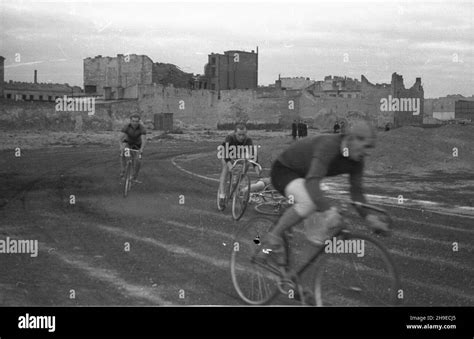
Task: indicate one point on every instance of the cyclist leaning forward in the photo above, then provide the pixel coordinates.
(133, 136)
(237, 138)
(298, 172)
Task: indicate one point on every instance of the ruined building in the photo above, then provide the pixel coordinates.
(111, 76)
(297, 83)
(450, 107)
(464, 109)
(169, 74)
(336, 87)
(231, 70)
(342, 98)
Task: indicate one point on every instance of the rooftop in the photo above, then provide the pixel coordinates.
(20, 85)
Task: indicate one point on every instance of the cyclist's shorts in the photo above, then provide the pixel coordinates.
(131, 146)
(281, 176)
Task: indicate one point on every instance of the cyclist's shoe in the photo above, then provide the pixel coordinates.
(221, 204)
(271, 251)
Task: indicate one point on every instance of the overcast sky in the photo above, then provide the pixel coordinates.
(433, 40)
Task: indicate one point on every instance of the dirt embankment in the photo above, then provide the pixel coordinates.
(418, 150)
(411, 150)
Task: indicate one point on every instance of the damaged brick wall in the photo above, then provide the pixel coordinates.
(27, 115)
(121, 71)
(169, 74)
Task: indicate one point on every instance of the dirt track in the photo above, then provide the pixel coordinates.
(176, 248)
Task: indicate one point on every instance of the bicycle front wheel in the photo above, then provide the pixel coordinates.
(128, 179)
(241, 196)
(358, 271)
(254, 284)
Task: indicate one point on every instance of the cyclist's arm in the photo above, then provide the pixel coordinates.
(143, 137)
(227, 140)
(249, 143)
(123, 137)
(357, 194)
(315, 174)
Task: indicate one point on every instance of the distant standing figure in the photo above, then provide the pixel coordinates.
(343, 127)
(300, 129)
(336, 127)
(387, 127)
(305, 129)
(294, 130)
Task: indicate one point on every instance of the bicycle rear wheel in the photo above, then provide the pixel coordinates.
(254, 284)
(128, 179)
(241, 196)
(363, 275)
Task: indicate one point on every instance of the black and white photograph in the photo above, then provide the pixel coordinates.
(303, 156)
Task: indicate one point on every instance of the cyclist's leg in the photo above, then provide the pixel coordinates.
(260, 184)
(123, 160)
(222, 179)
(137, 162)
(291, 185)
(303, 206)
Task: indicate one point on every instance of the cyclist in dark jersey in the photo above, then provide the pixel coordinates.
(133, 136)
(236, 139)
(297, 174)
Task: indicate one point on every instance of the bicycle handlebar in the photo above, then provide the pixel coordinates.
(373, 208)
(236, 162)
(131, 150)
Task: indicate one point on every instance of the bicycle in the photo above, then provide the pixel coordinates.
(236, 181)
(130, 168)
(338, 279)
(269, 201)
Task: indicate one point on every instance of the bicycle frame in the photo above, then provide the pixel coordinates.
(345, 231)
(289, 277)
(130, 155)
(269, 197)
(245, 166)
(266, 193)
